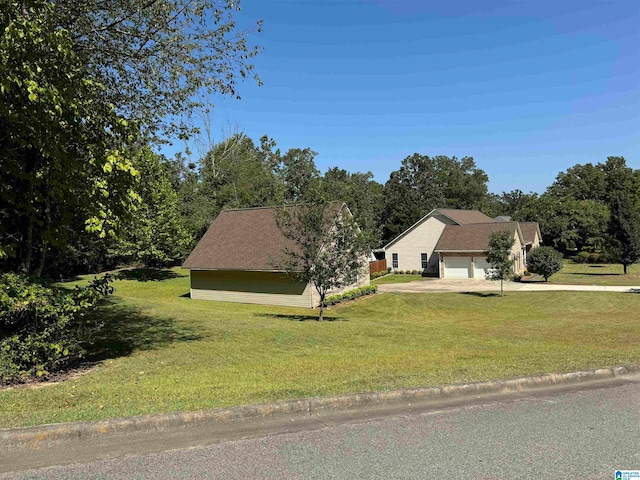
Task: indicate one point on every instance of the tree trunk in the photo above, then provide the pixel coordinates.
(27, 249)
(321, 310)
(501, 290)
(624, 265)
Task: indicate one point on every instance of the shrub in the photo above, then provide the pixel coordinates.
(43, 328)
(351, 295)
(414, 272)
(544, 261)
(587, 257)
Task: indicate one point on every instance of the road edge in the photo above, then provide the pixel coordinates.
(33, 437)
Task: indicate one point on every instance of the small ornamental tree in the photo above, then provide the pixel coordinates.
(328, 247)
(544, 261)
(499, 257)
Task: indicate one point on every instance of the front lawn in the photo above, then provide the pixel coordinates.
(596, 274)
(397, 278)
(164, 352)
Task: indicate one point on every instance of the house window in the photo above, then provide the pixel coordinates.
(423, 260)
(394, 260)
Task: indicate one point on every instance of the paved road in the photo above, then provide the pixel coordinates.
(585, 433)
(481, 285)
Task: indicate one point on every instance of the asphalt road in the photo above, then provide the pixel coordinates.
(586, 433)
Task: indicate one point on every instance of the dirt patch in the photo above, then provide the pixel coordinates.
(34, 382)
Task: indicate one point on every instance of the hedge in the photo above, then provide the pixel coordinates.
(351, 295)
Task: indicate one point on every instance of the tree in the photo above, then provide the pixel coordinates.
(328, 248)
(499, 257)
(544, 261)
(159, 60)
(363, 195)
(624, 228)
(63, 146)
(156, 237)
(623, 198)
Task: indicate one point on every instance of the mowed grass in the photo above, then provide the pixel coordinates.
(396, 278)
(164, 352)
(596, 274)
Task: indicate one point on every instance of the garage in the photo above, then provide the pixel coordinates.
(479, 266)
(457, 267)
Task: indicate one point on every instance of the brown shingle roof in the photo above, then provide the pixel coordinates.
(244, 239)
(529, 230)
(473, 237)
(465, 217)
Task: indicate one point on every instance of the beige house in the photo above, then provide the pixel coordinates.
(462, 249)
(452, 243)
(414, 249)
(237, 261)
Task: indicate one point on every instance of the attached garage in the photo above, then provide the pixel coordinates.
(479, 266)
(457, 267)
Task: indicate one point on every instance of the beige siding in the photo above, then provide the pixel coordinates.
(267, 288)
(363, 280)
(422, 239)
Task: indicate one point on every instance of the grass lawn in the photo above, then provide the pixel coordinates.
(395, 278)
(164, 352)
(596, 274)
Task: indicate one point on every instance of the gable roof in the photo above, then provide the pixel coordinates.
(465, 217)
(243, 239)
(472, 237)
(461, 217)
(529, 230)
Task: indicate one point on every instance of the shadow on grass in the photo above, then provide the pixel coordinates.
(147, 274)
(596, 274)
(127, 330)
(303, 318)
(480, 294)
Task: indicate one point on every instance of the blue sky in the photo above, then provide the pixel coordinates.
(527, 88)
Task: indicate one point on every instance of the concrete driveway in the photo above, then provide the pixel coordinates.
(443, 285)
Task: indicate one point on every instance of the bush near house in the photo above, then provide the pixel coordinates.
(351, 295)
(544, 261)
(44, 328)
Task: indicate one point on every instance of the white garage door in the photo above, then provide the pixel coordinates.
(457, 267)
(480, 264)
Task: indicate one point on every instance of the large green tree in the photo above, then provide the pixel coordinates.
(79, 83)
(159, 60)
(623, 198)
(362, 194)
(62, 144)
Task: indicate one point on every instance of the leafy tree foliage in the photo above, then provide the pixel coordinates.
(499, 257)
(43, 328)
(362, 194)
(567, 223)
(156, 237)
(158, 57)
(623, 198)
(544, 261)
(329, 248)
(581, 182)
(423, 183)
(62, 144)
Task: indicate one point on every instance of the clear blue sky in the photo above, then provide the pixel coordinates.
(528, 88)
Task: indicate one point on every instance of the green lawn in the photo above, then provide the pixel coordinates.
(165, 352)
(395, 278)
(596, 274)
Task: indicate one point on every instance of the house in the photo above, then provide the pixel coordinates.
(238, 260)
(452, 243)
(462, 249)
